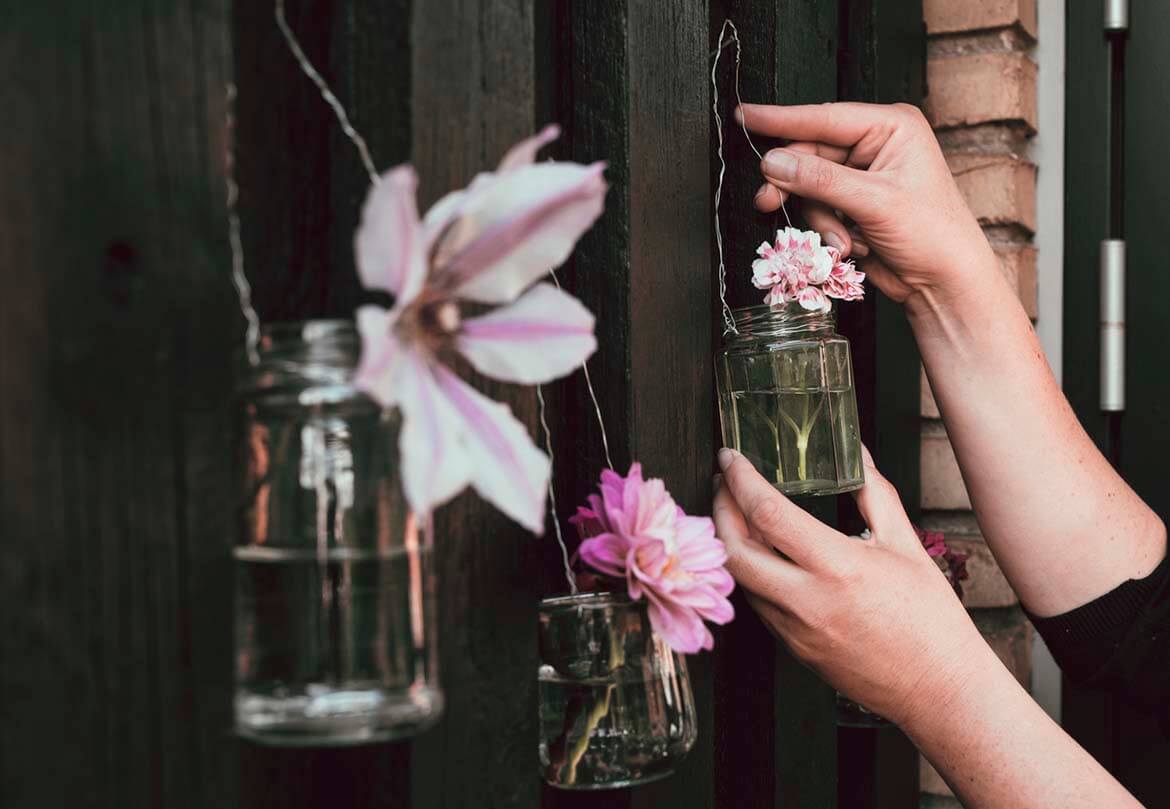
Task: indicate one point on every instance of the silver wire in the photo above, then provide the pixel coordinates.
(552, 495)
(307, 67)
(239, 278)
(728, 318)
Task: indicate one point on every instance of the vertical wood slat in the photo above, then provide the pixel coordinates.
(474, 96)
(301, 185)
(776, 733)
(882, 59)
(116, 318)
(628, 88)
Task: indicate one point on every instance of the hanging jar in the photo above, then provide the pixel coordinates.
(335, 614)
(616, 707)
(786, 399)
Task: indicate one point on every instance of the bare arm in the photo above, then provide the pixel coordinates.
(1062, 524)
(876, 618)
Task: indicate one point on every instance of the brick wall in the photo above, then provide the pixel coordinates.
(982, 103)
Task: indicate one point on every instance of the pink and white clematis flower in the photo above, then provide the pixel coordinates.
(798, 268)
(633, 530)
(483, 246)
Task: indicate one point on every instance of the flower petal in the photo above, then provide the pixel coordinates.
(605, 553)
(542, 336)
(517, 226)
(381, 355)
(433, 465)
(679, 626)
(524, 152)
(388, 246)
(506, 467)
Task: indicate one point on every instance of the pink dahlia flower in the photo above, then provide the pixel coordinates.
(486, 247)
(798, 268)
(634, 530)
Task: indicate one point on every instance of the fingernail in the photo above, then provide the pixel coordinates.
(725, 457)
(739, 115)
(834, 241)
(780, 165)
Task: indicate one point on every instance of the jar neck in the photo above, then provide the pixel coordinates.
(787, 320)
(304, 353)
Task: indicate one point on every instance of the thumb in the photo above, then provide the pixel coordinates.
(847, 189)
(880, 506)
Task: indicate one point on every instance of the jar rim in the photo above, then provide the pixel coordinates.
(760, 320)
(600, 599)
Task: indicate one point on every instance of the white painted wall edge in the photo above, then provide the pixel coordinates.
(1047, 151)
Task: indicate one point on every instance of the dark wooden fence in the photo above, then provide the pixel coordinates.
(120, 326)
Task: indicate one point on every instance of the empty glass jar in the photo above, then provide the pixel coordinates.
(335, 640)
(616, 707)
(786, 399)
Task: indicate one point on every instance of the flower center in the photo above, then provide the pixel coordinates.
(431, 323)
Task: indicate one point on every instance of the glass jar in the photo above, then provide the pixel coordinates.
(786, 399)
(335, 639)
(616, 707)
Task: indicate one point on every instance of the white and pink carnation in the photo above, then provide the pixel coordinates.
(798, 268)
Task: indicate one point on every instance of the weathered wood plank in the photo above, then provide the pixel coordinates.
(118, 327)
(882, 59)
(473, 96)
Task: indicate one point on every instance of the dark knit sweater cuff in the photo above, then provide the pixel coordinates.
(1086, 640)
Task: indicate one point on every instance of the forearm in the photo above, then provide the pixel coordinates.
(997, 749)
(1064, 527)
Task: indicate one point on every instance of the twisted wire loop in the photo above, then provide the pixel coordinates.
(724, 41)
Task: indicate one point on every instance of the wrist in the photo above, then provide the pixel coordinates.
(957, 698)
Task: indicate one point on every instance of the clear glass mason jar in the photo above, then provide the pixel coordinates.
(335, 638)
(786, 399)
(616, 707)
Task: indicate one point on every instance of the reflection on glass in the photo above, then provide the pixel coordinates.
(616, 707)
(334, 588)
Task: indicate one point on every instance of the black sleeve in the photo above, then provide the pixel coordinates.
(1120, 641)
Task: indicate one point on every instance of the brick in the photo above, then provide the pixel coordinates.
(1018, 263)
(981, 88)
(999, 189)
(961, 16)
(986, 585)
(942, 484)
(1009, 633)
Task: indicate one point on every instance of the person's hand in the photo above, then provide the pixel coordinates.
(881, 167)
(875, 617)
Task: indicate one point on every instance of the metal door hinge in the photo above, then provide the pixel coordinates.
(1113, 325)
(1116, 15)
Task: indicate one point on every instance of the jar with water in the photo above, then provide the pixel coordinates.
(335, 614)
(616, 707)
(786, 399)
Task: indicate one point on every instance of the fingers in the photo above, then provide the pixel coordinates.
(853, 191)
(841, 124)
(755, 566)
(879, 504)
(768, 198)
(780, 522)
(825, 221)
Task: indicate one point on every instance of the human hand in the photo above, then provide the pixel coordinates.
(881, 167)
(875, 617)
